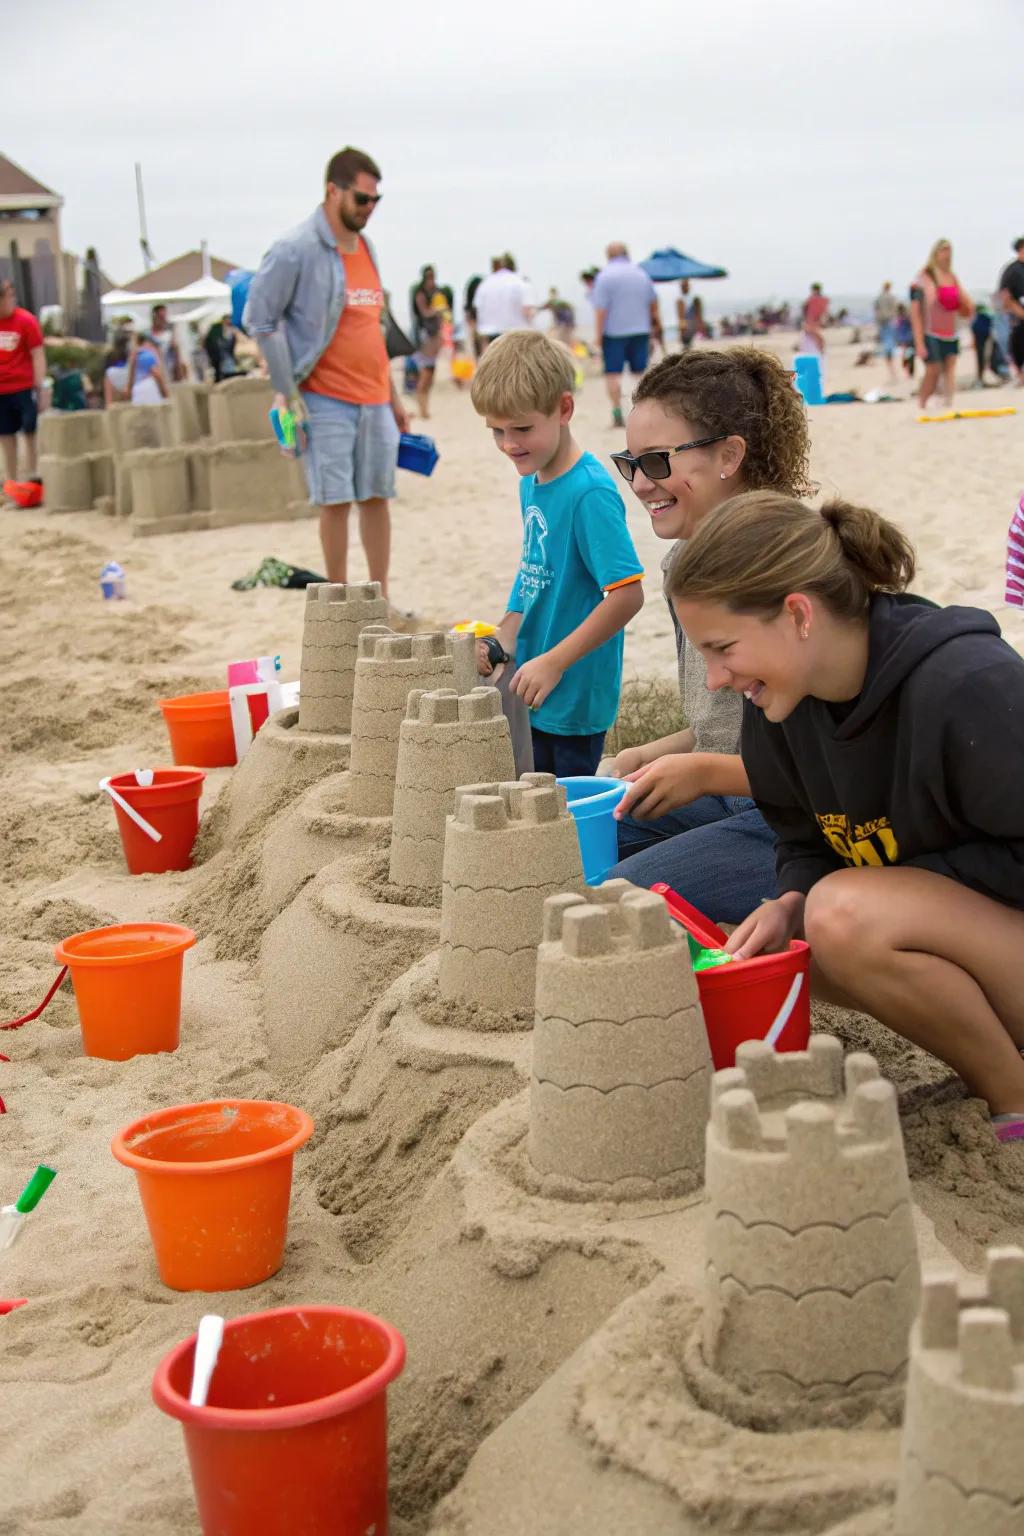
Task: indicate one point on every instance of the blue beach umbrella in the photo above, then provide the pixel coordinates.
(670, 266)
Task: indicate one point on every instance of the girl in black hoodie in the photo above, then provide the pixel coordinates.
(884, 742)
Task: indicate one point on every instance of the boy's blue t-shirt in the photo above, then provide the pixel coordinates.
(576, 546)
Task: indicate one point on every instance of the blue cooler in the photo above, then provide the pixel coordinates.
(417, 453)
(809, 381)
(591, 802)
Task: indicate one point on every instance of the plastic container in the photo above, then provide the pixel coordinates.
(293, 1436)
(592, 801)
(112, 583)
(766, 998)
(199, 725)
(127, 981)
(809, 379)
(417, 453)
(215, 1180)
(171, 806)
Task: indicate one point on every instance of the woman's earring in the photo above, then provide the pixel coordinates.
(723, 475)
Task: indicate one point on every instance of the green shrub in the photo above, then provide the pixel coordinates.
(88, 355)
(648, 709)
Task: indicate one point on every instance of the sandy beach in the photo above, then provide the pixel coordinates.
(532, 1327)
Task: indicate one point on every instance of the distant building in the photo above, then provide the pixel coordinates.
(30, 245)
(178, 272)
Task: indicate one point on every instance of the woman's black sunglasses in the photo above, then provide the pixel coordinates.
(655, 463)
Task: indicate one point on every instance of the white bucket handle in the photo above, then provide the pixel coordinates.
(129, 810)
(785, 1013)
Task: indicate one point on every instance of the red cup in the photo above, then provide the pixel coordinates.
(293, 1436)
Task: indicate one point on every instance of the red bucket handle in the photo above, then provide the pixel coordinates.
(703, 929)
(28, 1017)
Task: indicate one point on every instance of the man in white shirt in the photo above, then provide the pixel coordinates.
(503, 302)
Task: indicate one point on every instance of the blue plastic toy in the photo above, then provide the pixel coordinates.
(417, 453)
(591, 802)
(284, 424)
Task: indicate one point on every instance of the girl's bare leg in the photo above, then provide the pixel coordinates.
(949, 380)
(928, 383)
(936, 962)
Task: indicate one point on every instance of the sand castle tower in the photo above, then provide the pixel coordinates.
(444, 740)
(388, 667)
(812, 1275)
(621, 1067)
(335, 613)
(507, 848)
(961, 1467)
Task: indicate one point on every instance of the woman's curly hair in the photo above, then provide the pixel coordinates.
(739, 391)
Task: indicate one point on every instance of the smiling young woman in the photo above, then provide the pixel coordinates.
(882, 739)
(704, 425)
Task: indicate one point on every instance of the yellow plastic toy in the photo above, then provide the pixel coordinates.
(463, 368)
(1002, 410)
(580, 349)
(475, 627)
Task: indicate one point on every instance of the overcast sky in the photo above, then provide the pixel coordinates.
(788, 140)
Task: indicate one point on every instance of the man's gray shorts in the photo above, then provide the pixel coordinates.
(352, 450)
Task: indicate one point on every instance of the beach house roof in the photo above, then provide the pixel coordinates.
(178, 273)
(20, 190)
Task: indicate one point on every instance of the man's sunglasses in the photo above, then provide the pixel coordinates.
(655, 463)
(366, 199)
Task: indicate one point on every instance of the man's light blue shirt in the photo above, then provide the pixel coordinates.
(626, 293)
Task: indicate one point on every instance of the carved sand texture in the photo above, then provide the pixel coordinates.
(506, 849)
(812, 1272)
(961, 1466)
(620, 1054)
(335, 613)
(445, 740)
(388, 667)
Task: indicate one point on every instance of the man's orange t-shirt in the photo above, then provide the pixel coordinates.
(355, 365)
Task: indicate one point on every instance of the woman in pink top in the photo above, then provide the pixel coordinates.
(936, 300)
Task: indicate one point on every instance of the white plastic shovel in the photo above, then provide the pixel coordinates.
(209, 1337)
(144, 778)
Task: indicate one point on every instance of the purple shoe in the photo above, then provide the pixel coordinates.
(1009, 1129)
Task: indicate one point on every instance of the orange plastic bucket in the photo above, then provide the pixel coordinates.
(171, 806)
(293, 1436)
(215, 1180)
(199, 725)
(766, 998)
(127, 982)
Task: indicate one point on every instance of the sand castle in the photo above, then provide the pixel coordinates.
(204, 458)
(961, 1468)
(812, 1271)
(621, 1066)
(388, 667)
(506, 849)
(444, 740)
(335, 613)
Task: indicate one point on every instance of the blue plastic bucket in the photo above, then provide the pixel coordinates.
(808, 377)
(417, 453)
(592, 801)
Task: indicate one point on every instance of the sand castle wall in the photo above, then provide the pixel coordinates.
(388, 666)
(812, 1271)
(445, 740)
(218, 462)
(962, 1466)
(333, 616)
(621, 1065)
(507, 847)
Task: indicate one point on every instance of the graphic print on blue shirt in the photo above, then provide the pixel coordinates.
(576, 546)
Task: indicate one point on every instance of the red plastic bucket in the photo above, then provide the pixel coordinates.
(199, 725)
(171, 806)
(293, 1436)
(766, 998)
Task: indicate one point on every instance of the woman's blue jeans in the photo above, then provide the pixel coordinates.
(718, 852)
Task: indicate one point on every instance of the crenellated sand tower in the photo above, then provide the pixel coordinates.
(812, 1272)
(387, 668)
(445, 740)
(962, 1462)
(334, 615)
(621, 1067)
(507, 848)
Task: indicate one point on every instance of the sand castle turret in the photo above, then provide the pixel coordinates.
(335, 613)
(388, 667)
(506, 849)
(621, 1067)
(812, 1275)
(445, 740)
(961, 1467)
